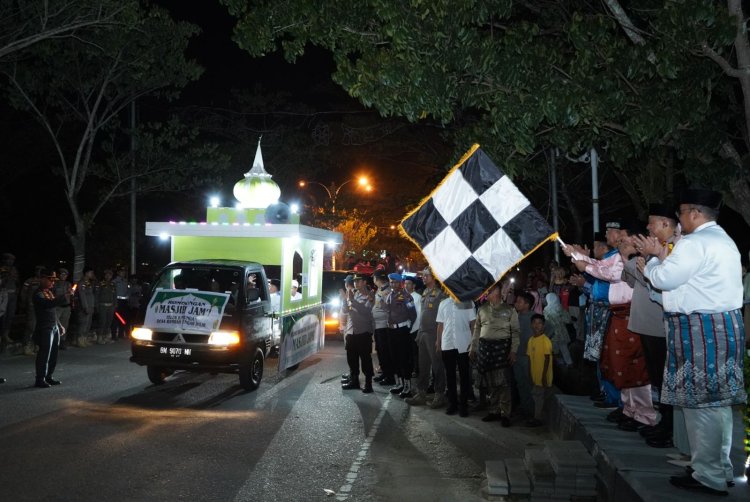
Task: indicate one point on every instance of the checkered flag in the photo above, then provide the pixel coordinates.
(475, 226)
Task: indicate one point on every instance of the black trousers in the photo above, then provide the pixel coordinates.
(451, 360)
(384, 354)
(46, 358)
(399, 346)
(655, 354)
(120, 330)
(359, 349)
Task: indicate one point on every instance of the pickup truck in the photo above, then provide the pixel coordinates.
(207, 316)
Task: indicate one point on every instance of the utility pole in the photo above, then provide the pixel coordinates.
(132, 189)
(553, 192)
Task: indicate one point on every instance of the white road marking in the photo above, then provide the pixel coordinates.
(351, 476)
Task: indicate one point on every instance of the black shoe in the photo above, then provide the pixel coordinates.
(463, 411)
(397, 390)
(660, 442)
(605, 405)
(404, 394)
(367, 389)
(689, 483)
(345, 378)
(387, 382)
(598, 397)
(630, 424)
(452, 409)
(42, 384)
(378, 378)
(650, 430)
(431, 389)
(52, 381)
(492, 417)
(3, 380)
(354, 384)
(505, 422)
(616, 416)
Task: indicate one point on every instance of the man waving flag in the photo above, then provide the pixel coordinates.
(475, 226)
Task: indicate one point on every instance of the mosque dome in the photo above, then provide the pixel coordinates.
(257, 190)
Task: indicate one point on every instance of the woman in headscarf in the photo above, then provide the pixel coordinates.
(556, 319)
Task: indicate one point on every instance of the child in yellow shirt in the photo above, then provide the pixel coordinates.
(539, 351)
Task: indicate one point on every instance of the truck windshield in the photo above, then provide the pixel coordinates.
(222, 280)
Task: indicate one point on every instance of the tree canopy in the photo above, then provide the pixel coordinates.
(648, 83)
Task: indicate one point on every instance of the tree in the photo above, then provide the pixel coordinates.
(77, 89)
(357, 234)
(523, 77)
(24, 23)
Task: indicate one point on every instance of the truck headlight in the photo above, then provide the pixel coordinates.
(142, 334)
(224, 338)
(335, 303)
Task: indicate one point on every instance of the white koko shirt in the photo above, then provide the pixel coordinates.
(703, 274)
(456, 329)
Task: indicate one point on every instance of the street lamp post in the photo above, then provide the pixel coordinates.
(333, 190)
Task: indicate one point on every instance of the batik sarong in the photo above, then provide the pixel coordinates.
(622, 361)
(704, 360)
(599, 315)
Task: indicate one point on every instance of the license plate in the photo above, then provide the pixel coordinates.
(175, 351)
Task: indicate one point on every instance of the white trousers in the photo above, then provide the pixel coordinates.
(637, 404)
(710, 434)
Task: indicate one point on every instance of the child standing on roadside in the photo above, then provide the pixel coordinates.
(539, 351)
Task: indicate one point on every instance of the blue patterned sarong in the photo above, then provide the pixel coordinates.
(704, 360)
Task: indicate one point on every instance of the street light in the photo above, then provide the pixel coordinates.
(333, 189)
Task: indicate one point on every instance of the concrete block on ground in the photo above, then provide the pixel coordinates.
(497, 477)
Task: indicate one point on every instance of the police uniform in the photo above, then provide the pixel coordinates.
(429, 357)
(84, 311)
(63, 310)
(46, 331)
(358, 338)
(401, 315)
(106, 297)
(122, 290)
(380, 315)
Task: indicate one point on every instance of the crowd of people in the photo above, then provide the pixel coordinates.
(655, 310)
(436, 351)
(91, 311)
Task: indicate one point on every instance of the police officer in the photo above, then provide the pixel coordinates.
(380, 313)
(105, 308)
(30, 286)
(401, 315)
(84, 311)
(47, 329)
(122, 290)
(357, 303)
(61, 286)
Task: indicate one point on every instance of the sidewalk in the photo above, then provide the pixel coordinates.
(628, 469)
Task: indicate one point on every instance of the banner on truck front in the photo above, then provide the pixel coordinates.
(184, 310)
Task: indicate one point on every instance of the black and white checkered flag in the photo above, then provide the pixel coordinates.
(475, 226)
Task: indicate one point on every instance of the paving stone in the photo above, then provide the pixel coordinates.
(496, 474)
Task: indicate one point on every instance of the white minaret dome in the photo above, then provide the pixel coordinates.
(257, 190)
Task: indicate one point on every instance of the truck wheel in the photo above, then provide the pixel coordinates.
(251, 372)
(157, 374)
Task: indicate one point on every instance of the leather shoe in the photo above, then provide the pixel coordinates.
(463, 411)
(452, 409)
(42, 384)
(689, 483)
(630, 425)
(52, 381)
(664, 441)
(350, 385)
(615, 416)
(492, 417)
(367, 389)
(397, 390)
(378, 378)
(387, 381)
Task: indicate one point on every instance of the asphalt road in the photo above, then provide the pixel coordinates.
(107, 433)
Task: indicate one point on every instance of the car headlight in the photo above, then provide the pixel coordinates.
(142, 334)
(224, 338)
